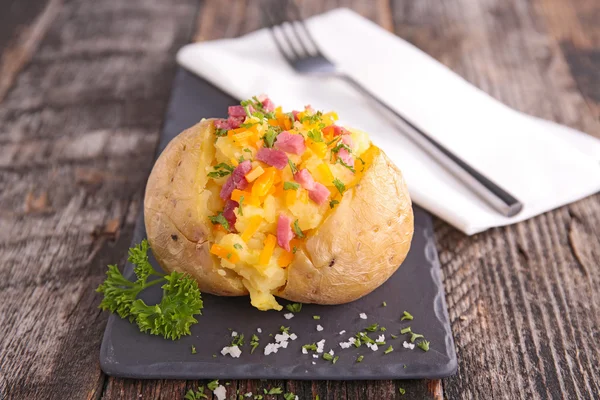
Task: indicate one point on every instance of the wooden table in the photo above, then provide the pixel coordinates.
(83, 91)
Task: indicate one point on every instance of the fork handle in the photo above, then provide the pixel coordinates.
(491, 193)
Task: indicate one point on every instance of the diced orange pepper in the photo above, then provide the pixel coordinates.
(328, 132)
(278, 191)
(273, 122)
(272, 190)
(263, 183)
(277, 177)
(287, 124)
(290, 197)
(267, 251)
(254, 173)
(236, 131)
(285, 259)
(247, 134)
(234, 161)
(253, 225)
(237, 194)
(225, 252)
(278, 112)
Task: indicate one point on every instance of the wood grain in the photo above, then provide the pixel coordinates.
(84, 100)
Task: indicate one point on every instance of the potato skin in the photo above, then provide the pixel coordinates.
(357, 248)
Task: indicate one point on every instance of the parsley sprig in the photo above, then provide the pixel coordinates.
(172, 317)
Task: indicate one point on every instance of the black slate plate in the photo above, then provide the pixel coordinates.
(415, 287)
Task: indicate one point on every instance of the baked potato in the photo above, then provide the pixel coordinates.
(275, 204)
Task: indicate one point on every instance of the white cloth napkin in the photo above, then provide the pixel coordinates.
(543, 164)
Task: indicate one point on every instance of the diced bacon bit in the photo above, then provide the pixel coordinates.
(238, 111)
(275, 158)
(267, 104)
(319, 194)
(284, 231)
(222, 124)
(235, 122)
(316, 191)
(295, 114)
(290, 143)
(229, 214)
(236, 180)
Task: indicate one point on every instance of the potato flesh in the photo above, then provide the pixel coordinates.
(262, 281)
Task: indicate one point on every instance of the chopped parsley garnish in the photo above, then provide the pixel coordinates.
(332, 203)
(221, 170)
(316, 117)
(171, 317)
(339, 185)
(240, 209)
(248, 125)
(238, 340)
(334, 140)
(213, 385)
(219, 219)
(388, 350)
(384, 304)
(247, 109)
(248, 150)
(290, 186)
(401, 391)
(220, 132)
(289, 396)
(340, 146)
(405, 330)
(415, 336)
(423, 345)
(351, 168)
(316, 317)
(275, 390)
(315, 135)
(327, 356)
(335, 359)
(270, 137)
(382, 329)
(394, 336)
(292, 166)
(406, 316)
(193, 349)
(284, 329)
(237, 246)
(294, 250)
(380, 343)
(253, 343)
(258, 397)
(297, 229)
(294, 307)
(372, 328)
(312, 346)
(360, 358)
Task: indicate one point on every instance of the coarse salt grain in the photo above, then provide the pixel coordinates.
(319, 328)
(258, 330)
(288, 315)
(271, 348)
(408, 345)
(381, 338)
(233, 334)
(315, 356)
(374, 347)
(293, 336)
(320, 345)
(342, 332)
(314, 362)
(362, 315)
(233, 351)
(331, 352)
(220, 392)
(304, 351)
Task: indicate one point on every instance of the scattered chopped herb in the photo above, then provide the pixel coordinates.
(415, 336)
(253, 343)
(380, 343)
(221, 170)
(247, 150)
(238, 340)
(290, 186)
(351, 168)
(357, 343)
(292, 166)
(214, 356)
(219, 219)
(229, 255)
(247, 111)
(270, 137)
(384, 304)
(297, 229)
(289, 396)
(241, 159)
(406, 316)
(258, 397)
(213, 385)
(401, 391)
(197, 395)
(172, 317)
(248, 125)
(340, 146)
(275, 390)
(388, 350)
(405, 330)
(237, 246)
(394, 336)
(315, 135)
(334, 140)
(423, 345)
(220, 132)
(314, 118)
(294, 307)
(327, 356)
(312, 346)
(382, 329)
(335, 359)
(332, 203)
(372, 328)
(404, 366)
(316, 317)
(294, 250)
(193, 349)
(317, 398)
(360, 358)
(240, 209)
(339, 185)
(284, 329)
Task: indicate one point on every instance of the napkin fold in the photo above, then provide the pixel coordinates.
(543, 164)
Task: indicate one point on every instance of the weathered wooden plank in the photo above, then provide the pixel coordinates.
(78, 131)
(522, 302)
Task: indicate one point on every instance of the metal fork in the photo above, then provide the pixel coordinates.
(300, 50)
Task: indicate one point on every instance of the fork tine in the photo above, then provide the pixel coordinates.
(300, 21)
(272, 24)
(280, 9)
(293, 22)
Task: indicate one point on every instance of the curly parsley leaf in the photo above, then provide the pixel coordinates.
(238, 340)
(423, 345)
(339, 185)
(254, 342)
(297, 229)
